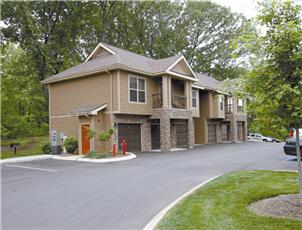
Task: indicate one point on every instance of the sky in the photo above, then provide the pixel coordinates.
(247, 7)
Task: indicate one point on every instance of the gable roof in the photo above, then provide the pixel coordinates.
(121, 59)
(88, 110)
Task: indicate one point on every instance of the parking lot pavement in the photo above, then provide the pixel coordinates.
(54, 194)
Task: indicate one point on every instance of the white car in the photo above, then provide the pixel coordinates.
(258, 137)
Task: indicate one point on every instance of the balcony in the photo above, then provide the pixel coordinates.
(228, 108)
(179, 102)
(240, 110)
(157, 100)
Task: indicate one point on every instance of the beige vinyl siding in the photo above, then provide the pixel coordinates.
(102, 122)
(67, 125)
(127, 107)
(70, 95)
(182, 68)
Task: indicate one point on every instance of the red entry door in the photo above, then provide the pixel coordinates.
(85, 139)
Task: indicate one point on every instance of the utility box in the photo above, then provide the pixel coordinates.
(55, 148)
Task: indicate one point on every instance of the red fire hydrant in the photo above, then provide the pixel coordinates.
(124, 146)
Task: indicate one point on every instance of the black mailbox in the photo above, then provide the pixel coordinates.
(14, 146)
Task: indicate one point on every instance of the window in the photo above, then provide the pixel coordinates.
(194, 98)
(240, 102)
(137, 90)
(221, 99)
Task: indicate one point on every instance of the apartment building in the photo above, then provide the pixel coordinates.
(154, 104)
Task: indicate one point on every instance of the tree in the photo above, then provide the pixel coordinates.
(276, 81)
(23, 106)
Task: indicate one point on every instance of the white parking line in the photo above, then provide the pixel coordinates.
(32, 168)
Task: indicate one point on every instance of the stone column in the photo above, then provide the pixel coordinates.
(191, 137)
(165, 133)
(146, 129)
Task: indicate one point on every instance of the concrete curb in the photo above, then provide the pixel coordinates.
(25, 159)
(158, 217)
(130, 156)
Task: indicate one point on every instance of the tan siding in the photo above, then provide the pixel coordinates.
(182, 68)
(114, 90)
(67, 125)
(102, 123)
(70, 95)
(100, 52)
(135, 108)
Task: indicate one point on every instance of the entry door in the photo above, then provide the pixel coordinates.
(181, 135)
(85, 139)
(155, 136)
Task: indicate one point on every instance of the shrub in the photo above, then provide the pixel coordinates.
(70, 144)
(46, 148)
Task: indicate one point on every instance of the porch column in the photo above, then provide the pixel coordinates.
(188, 94)
(191, 136)
(165, 82)
(165, 133)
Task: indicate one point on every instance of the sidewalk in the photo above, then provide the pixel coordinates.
(68, 157)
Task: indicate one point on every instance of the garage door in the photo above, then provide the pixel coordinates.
(181, 135)
(132, 134)
(211, 133)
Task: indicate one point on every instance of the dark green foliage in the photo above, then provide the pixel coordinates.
(24, 110)
(46, 149)
(71, 144)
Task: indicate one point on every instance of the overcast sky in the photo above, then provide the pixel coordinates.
(247, 7)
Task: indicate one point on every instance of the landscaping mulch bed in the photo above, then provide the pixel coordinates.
(285, 206)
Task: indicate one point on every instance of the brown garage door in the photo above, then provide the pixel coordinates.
(179, 133)
(225, 132)
(211, 133)
(132, 134)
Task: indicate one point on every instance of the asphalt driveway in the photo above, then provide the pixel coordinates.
(53, 194)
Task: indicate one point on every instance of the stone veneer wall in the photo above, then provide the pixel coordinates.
(145, 128)
(164, 115)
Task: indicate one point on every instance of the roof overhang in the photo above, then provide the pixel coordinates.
(182, 75)
(197, 87)
(100, 45)
(88, 111)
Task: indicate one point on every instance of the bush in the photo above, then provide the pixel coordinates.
(70, 144)
(46, 148)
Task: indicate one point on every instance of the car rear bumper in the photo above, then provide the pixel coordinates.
(290, 150)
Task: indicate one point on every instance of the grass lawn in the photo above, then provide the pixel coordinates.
(96, 155)
(222, 203)
(29, 146)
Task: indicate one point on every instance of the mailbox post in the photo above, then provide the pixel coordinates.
(14, 146)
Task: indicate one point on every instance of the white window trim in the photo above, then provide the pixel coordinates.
(138, 77)
(196, 92)
(221, 102)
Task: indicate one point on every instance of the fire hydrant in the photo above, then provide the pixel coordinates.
(124, 146)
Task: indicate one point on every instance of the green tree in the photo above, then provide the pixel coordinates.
(275, 82)
(23, 106)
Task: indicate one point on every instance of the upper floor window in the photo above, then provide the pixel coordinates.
(221, 99)
(137, 89)
(240, 106)
(194, 98)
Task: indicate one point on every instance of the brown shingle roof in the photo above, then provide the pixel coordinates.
(208, 82)
(123, 59)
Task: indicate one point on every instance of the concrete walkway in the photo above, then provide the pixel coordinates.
(52, 194)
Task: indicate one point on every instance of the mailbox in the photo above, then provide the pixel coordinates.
(15, 146)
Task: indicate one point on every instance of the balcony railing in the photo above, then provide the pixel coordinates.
(240, 109)
(228, 108)
(179, 101)
(157, 100)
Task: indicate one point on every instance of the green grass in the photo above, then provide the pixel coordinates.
(29, 146)
(96, 155)
(222, 203)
